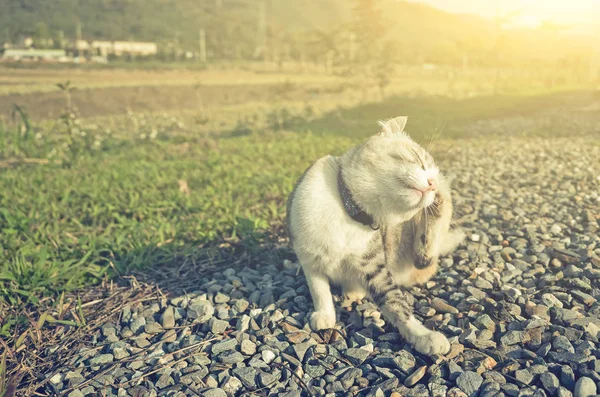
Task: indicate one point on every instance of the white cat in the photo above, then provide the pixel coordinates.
(374, 220)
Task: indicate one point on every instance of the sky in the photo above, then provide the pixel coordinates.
(571, 12)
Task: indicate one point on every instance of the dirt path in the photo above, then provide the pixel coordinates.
(108, 101)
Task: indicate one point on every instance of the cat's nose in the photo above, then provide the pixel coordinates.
(432, 184)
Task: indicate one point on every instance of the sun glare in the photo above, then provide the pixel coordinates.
(526, 21)
(526, 13)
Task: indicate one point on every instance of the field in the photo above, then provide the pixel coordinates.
(157, 171)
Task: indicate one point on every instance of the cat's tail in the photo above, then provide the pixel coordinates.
(452, 240)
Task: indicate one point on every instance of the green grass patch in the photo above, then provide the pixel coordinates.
(134, 202)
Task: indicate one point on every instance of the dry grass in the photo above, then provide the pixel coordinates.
(36, 349)
(54, 335)
(23, 81)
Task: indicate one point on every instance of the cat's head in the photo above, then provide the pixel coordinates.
(390, 173)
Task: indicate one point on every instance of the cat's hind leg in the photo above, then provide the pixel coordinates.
(396, 306)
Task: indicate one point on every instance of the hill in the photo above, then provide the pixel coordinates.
(180, 20)
(421, 32)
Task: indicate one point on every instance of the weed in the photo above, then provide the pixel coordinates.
(20, 141)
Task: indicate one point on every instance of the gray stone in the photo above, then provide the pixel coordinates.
(388, 384)
(524, 376)
(301, 348)
(456, 392)
(267, 379)
(511, 389)
(102, 359)
(438, 390)
(248, 347)
(454, 370)
(512, 338)
(314, 370)
(120, 353)
(231, 386)
(543, 350)
(217, 326)
(415, 377)
(561, 343)
(350, 375)
(585, 387)
(243, 323)
(247, 375)
(550, 382)
(214, 393)
(418, 391)
(469, 382)
(165, 380)
(268, 356)
(142, 341)
(231, 357)
(495, 377)
(337, 387)
(228, 344)
(291, 393)
(211, 381)
(362, 340)
(167, 319)
(485, 322)
(405, 361)
(200, 311)
(441, 306)
(241, 305)
(152, 328)
(356, 355)
(136, 324)
(562, 392)
(221, 298)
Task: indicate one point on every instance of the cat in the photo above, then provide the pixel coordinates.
(374, 220)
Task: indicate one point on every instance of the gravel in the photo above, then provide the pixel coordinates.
(519, 301)
(585, 387)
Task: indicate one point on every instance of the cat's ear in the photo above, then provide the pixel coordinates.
(394, 128)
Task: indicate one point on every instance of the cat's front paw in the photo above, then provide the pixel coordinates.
(422, 261)
(322, 320)
(431, 343)
(435, 209)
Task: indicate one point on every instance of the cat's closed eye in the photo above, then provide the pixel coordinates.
(403, 159)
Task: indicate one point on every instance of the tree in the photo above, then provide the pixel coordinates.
(369, 29)
(59, 39)
(42, 35)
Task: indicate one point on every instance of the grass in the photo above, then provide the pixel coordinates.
(83, 200)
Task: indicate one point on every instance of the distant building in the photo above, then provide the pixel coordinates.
(116, 48)
(77, 51)
(18, 54)
(134, 48)
(102, 47)
(81, 45)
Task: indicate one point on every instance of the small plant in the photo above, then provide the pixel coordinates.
(283, 118)
(20, 141)
(67, 88)
(78, 142)
(242, 127)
